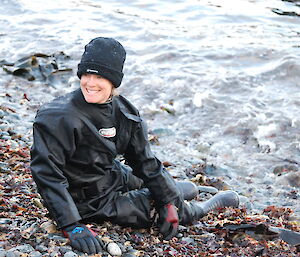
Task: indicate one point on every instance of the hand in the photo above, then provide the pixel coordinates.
(168, 221)
(83, 238)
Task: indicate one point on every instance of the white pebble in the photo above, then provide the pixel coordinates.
(113, 249)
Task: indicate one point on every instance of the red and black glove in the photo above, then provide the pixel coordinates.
(83, 238)
(168, 221)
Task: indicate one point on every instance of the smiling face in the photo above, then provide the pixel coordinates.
(95, 88)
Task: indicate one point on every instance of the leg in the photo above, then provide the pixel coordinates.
(130, 209)
(134, 209)
(187, 189)
(130, 182)
(197, 210)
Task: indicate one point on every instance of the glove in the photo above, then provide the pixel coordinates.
(83, 238)
(168, 221)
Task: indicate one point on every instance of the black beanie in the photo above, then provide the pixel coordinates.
(105, 57)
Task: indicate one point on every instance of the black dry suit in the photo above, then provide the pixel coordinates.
(73, 163)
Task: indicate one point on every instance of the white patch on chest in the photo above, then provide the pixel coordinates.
(108, 132)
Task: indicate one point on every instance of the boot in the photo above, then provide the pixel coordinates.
(188, 189)
(220, 200)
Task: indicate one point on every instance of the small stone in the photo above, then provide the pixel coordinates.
(4, 126)
(70, 254)
(48, 226)
(55, 254)
(41, 248)
(2, 253)
(58, 238)
(114, 249)
(159, 250)
(26, 248)
(129, 255)
(179, 235)
(10, 254)
(5, 221)
(35, 254)
(13, 144)
(66, 248)
(188, 240)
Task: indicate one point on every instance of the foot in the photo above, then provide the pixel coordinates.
(220, 200)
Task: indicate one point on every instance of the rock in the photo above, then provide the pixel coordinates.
(70, 254)
(35, 254)
(6, 137)
(11, 254)
(113, 249)
(55, 254)
(66, 248)
(58, 238)
(179, 235)
(48, 226)
(162, 132)
(281, 169)
(26, 248)
(3, 220)
(2, 253)
(131, 254)
(291, 178)
(208, 189)
(41, 248)
(159, 250)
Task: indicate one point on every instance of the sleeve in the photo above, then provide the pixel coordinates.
(147, 167)
(53, 142)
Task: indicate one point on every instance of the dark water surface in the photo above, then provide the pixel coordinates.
(216, 80)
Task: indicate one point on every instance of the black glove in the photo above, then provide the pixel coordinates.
(168, 221)
(83, 238)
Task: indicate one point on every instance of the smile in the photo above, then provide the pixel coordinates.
(92, 91)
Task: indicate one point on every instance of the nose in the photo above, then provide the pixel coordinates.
(90, 79)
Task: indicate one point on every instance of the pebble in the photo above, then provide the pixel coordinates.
(57, 238)
(188, 240)
(5, 133)
(159, 250)
(114, 249)
(41, 248)
(129, 255)
(179, 235)
(3, 220)
(6, 137)
(35, 254)
(26, 248)
(65, 249)
(13, 144)
(4, 126)
(70, 254)
(11, 254)
(55, 254)
(12, 117)
(208, 189)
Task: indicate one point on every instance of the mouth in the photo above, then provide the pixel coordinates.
(92, 91)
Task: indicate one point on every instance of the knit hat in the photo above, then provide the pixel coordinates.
(105, 57)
